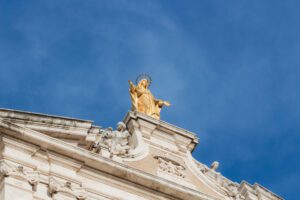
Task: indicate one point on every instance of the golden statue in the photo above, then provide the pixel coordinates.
(142, 99)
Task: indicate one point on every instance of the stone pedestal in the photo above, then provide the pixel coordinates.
(160, 134)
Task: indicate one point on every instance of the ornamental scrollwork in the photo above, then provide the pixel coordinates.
(67, 187)
(170, 167)
(18, 171)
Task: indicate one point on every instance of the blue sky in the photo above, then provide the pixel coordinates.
(229, 68)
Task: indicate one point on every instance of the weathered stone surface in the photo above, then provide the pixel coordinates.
(49, 157)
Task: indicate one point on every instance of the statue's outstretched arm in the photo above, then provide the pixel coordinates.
(167, 103)
(162, 103)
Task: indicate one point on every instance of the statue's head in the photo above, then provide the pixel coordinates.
(143, 81)
(121, 126)
(214, 166)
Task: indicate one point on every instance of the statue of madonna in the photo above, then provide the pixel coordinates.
(142, 99)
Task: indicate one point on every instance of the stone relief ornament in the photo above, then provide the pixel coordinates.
(18, 171)
(58, 187)
(230, 188)
(142, 99)
(171, 167)
(116, 142)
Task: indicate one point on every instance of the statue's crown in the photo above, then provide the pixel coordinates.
(143, 76)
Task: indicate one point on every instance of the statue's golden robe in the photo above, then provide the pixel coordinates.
(143, 101)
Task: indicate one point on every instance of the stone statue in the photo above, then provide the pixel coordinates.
(116, 142)
(142, 99)
(214, 166)
(104, 140)
(119, 144)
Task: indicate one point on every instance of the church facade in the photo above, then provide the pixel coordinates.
(44, 157)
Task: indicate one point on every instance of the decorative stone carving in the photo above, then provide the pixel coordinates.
(214, 166)
(18, 171)
(230, 188)
(170, 166)
(102, 140)
(116, 142)
(5, 169)
(233, 190)
(57, 187)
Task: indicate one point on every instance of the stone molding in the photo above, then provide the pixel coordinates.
(55, 125)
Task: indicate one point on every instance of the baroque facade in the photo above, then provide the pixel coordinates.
(45, 157)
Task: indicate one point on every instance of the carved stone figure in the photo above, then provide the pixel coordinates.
(107, 136)
(116, 142)
(214, 166)
(103, 140)
(142, 99)
(233, 189)
(119, 142)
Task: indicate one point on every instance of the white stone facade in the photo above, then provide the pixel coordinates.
(46, 157)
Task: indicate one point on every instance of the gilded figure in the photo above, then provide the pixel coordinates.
(142, 99)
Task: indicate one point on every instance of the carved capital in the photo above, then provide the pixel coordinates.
(5, 169)
(57, 187)
(18, 171)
